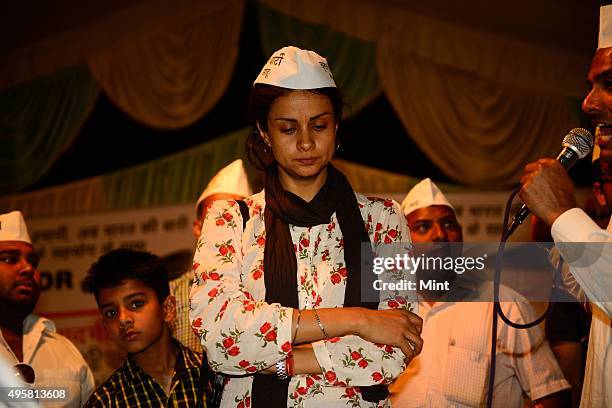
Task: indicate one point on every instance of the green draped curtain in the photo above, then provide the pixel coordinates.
(353, 61)
(38, 121)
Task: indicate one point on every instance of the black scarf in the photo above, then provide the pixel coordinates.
(280, 264)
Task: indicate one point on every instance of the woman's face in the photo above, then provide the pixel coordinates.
(302, 135)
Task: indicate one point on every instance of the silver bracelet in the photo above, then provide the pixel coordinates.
(297, 326)
(281, 370)
(320, 324)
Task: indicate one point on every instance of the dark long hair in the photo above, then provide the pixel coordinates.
(261, 100)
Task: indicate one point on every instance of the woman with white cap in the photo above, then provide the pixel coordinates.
(276, 300)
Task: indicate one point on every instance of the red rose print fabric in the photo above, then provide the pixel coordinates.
(242, 334)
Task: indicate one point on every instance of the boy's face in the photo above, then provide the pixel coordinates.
(133, 316)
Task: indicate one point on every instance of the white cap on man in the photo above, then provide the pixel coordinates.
(14, 228)
(232, 179)
(422, 195)
(605, 41)
(294, 68)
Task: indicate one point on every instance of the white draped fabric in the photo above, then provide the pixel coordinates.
(473, 129)
(164, 63)
(484, 80)
(491, 56)
(542, 45)
(171, 78)
(40, 39)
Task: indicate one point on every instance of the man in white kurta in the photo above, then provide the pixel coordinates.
(549, 194)
(26, 338)
(596, 281)
(453, 367)
(58, 364)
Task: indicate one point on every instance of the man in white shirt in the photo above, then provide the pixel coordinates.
(549, 194)
(453, 367)
(29, 343)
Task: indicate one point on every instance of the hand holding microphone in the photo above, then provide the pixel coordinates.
(546, 188)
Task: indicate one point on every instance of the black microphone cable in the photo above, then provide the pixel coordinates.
(497, 311)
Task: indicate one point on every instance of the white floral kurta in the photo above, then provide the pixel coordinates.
(242, 334)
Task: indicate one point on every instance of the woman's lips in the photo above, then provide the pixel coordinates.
(307, 162)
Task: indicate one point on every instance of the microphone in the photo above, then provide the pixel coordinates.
(577, 144)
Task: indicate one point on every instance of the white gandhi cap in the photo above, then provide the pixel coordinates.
(424, 194)
(294, 68)
(232, 179)
(14, 228)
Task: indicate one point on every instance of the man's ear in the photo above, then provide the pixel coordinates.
(598, 193)
(169, 308)
(263, 134)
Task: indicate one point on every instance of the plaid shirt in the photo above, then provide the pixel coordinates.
(181, 326)
(129, 386)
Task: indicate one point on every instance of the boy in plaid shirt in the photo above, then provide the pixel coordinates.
(131, 289)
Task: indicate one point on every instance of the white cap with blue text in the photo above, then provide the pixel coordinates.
(14, 228)
(232, 179)
(424, 194)
(294, 68)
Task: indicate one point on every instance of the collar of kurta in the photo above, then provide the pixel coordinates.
(34, 327)
(34, 323)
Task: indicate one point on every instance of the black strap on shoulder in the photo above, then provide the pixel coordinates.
(206, 390)
(210, 382)
(244, 210)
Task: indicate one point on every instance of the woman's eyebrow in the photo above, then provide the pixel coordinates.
(320, 115)
(312, 118)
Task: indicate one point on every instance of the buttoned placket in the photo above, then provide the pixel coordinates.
(434, 380)
(31, 341)
(31, 337)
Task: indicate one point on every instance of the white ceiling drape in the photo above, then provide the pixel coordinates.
(481, 87)
(172, 78)
(473, 129)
